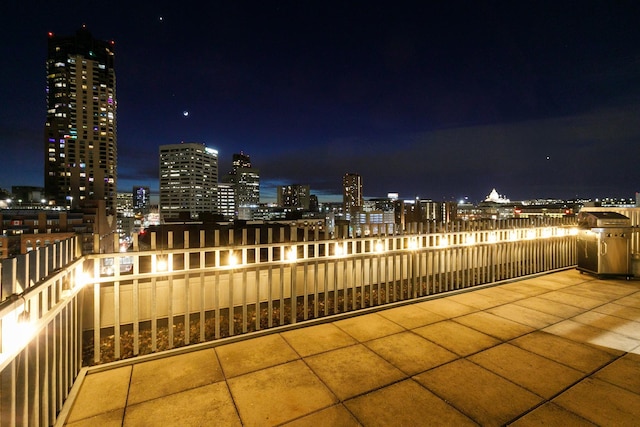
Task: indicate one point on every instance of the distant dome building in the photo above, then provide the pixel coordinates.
(496, 198)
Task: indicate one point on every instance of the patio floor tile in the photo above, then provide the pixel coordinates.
(354, 370)
(548, 306)
(574, 299)
(618, 310)
(446, 308)
(495, 326)
(585, 358)
(589, 334)
(279, 394)
(179, 373)
(259, 353)
(480, 394)
(368, 327)
(457, 338)
(551, 415)
(317, 339)
(405, 404)
(102, 392)
(601, 403)
(529, 370)
(526, 316)
(615, 324)
(335, 415)
(410, 353)
(194, 407)
(411, 316)
(107, 419)
(624, 372)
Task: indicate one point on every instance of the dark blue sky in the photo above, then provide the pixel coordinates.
(440, 100)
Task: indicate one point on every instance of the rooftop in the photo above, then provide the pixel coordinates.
(561, 347)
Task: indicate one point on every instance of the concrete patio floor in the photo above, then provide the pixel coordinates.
(559, 349)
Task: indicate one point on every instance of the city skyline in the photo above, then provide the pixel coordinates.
(436, 101)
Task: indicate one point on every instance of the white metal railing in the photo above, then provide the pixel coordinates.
(40, 348)
(144, 302)
(24, 271)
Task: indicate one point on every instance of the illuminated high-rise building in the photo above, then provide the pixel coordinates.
(188, 180)
(246, 180)
(226, 201)
(245, 183)
(352, 199)
(80, 144)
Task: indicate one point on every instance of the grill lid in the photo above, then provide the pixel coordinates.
(602, 219)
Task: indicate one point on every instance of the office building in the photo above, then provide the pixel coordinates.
(141, 200)
(226, 201)
(188, 181)
(245, 180)
(294, 196)
(80, 144)
(352, 193)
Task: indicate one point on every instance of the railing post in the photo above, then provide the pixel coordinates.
(9, 277)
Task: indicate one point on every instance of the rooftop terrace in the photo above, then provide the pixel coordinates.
(559, 349)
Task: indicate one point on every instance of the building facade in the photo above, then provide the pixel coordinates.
(226, 201)
(188, 180)
(294, 196)
(141, 200)
(245, 180)
(352, 198)
(80, 142)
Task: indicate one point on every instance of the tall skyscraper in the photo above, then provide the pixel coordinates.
(246, 180)
(352, 199)
(188, 180)
(80, 144)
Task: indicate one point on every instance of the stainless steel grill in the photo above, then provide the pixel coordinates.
(604, 243)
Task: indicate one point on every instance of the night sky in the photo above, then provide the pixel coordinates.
(440, 100)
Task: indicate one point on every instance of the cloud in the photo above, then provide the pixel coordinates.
(585, 154)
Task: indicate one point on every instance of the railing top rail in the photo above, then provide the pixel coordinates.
(332, 241)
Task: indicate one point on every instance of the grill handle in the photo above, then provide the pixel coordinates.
(603, 248)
